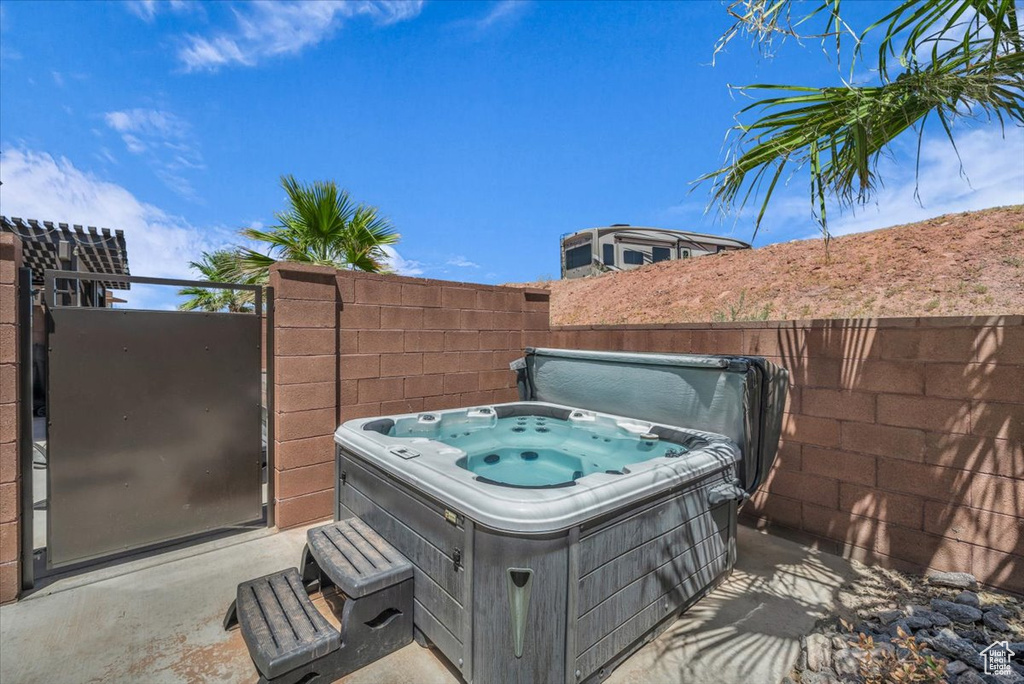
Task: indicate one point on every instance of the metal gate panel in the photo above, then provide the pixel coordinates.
(154, 428)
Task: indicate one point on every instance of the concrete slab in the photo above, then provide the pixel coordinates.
(158, 620)
(749, 629)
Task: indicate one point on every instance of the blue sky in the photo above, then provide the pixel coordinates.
(484, 130)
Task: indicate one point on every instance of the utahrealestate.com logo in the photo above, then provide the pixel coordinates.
(997, 659)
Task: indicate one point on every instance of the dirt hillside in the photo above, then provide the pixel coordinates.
(967, 264)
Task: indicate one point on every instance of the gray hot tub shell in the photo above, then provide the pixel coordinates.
(545, 585)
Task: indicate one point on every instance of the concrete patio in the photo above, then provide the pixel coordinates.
(158, 619)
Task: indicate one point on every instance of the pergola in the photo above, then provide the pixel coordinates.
(49, 245)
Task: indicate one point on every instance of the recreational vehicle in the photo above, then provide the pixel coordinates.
(621, 247)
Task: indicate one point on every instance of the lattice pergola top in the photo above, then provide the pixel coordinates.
(98, 250)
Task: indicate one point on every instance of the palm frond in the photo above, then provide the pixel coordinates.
(837, 134)
(321, 225)
(221, 266)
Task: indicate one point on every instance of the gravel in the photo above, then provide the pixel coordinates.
(819, 652)
(956, 647)
(968, 598)
(956, 612)
(947, 622)
(995, 622)
(955, 580)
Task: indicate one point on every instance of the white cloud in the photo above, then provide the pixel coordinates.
(994, 168)
(105, 155)
(994, 176)
(150, 122)
(148, 9)
(134, 145)
(270, 29)
(402, 266)
(167, 140)
(502, 12)
(462, 262)
(35, 185)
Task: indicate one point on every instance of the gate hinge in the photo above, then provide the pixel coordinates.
(344, 476)
(457, 558)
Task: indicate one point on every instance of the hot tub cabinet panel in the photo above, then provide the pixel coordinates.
(418, 528)
(637, 573)
(539, 553)
(520, 638)
(621, 578)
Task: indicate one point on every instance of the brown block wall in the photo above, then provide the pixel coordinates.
(903, 441)
(351, 344)
(10, 538)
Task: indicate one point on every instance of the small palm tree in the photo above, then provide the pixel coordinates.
(220, 266)
(321, 226)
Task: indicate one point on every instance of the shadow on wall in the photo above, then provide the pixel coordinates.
(904, 446)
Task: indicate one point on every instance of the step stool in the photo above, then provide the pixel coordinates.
(290, 641)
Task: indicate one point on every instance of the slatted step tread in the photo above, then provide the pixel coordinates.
(358, 560)
(280, 625)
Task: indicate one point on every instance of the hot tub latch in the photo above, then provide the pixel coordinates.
(726, 492)
(457, 558)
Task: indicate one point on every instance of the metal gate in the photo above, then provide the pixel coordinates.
(153, 423)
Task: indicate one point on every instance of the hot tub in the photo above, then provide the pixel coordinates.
(553, 536)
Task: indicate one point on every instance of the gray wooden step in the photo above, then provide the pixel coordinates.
(280, 625)
(358, 560)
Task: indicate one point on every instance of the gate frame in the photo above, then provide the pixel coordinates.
(25, 441)
(263, 310)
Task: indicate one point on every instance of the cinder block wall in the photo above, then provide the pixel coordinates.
(10, 261)
(903, 440)
(351, 344)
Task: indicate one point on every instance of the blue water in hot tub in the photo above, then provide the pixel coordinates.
(538, 451)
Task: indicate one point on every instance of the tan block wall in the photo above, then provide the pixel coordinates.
(10, 539)
(351, 344)
(903, 440)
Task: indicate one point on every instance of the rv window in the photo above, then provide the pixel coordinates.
(686, 254)
(577, 256)
(631, 256)
(660, 254)
(609, 255)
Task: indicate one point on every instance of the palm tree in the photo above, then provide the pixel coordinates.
(955, 59)
(321, 226)
(220, 266)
